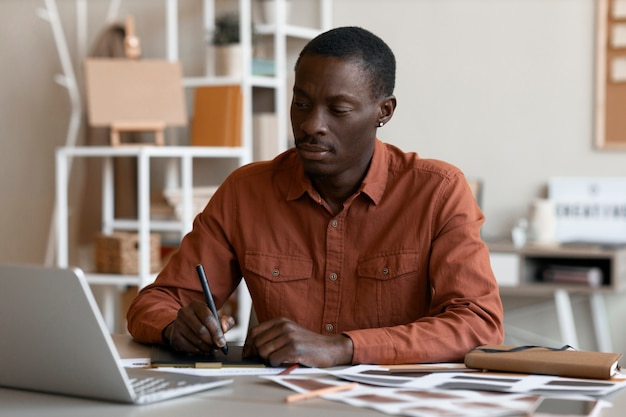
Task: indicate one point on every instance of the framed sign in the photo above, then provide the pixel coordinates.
(589, 210)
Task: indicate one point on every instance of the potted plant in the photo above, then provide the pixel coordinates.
(226, 30)
(225, 39)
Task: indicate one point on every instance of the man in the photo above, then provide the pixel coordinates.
(353, 251)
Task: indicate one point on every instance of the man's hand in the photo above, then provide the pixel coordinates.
(197, 330)
(281, 341)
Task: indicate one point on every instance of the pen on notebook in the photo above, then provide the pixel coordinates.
(209, 299)
(319, 392)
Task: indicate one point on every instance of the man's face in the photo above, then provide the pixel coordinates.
(334, 117)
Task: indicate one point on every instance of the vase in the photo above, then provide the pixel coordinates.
(228, 61)
(269, 9)
(542, 221)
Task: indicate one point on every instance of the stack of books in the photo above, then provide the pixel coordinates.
(562, 274)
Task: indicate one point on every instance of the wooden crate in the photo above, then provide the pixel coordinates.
(118, 253)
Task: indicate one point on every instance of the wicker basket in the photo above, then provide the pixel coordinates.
(118, 253)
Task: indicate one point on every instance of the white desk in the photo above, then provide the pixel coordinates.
(248, 396)
(517, 271)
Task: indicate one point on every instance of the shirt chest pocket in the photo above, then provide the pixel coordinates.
(388, 266)
(278, 284)
(388, 288)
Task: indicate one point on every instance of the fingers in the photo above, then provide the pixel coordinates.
(281, 341)
(185, 339)
(227, 323)
(197, 330)
(275, 341)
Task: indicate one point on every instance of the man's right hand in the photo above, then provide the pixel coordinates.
(196, 330)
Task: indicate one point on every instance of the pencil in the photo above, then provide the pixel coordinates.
(209, 299)
(289, 369)
(319, 392)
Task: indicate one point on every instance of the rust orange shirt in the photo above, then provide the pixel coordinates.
(401, 270)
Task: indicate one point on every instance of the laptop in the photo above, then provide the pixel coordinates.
(55, 340)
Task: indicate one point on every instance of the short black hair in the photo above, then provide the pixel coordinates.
(362, 46)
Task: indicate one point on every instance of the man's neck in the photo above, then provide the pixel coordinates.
(335, 191)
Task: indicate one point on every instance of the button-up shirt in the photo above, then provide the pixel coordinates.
(401, 269)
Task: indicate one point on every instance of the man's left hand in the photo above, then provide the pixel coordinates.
(280, 341)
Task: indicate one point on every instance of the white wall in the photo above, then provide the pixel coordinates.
(504, 90)
(501, 88)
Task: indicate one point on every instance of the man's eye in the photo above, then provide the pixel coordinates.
(300, 105)
(340, 110)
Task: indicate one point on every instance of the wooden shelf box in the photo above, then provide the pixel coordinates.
(118, 253)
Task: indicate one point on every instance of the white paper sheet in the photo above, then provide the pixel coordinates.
(487, 381)
(618, 70)
(619, 9)
(449, 394)
(418, 403)
(618, 35)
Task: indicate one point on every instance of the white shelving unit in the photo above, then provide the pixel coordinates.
(280, 30)
(181, 157)
(143, 224)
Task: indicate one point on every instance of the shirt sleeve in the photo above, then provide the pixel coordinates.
(177, 284)
(465, 307)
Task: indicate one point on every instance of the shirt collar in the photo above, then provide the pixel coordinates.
(373, 184)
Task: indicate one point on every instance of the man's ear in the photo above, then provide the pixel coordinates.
(387, 107)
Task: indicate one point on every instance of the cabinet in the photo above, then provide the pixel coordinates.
(519, 272)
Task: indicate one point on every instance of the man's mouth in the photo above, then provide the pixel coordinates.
(308, 150)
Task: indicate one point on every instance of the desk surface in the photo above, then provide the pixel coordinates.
(249, 395)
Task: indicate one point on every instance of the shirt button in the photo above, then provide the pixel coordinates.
(329, 327)
(275, 272)
(385, 271)
(334, 223)
(333, 276)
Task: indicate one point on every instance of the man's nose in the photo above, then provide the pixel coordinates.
(314, 123)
